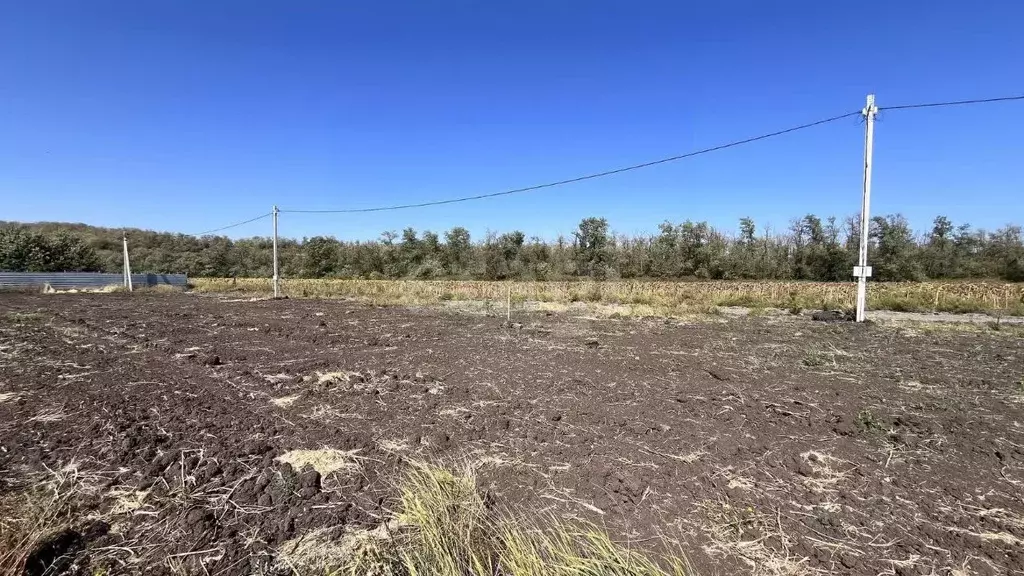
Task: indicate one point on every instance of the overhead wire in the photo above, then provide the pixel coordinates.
(618, 170)
(580, 178)
(952, 103)
(235, 225)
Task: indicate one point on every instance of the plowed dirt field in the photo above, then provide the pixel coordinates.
(197, 435)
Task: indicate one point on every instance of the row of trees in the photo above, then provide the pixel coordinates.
(25, 250)
(810, 249)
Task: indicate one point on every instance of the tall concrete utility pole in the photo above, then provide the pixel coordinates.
(127, 265)
(862, 271)
(277, 290)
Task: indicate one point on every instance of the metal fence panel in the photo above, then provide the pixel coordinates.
(68, 280)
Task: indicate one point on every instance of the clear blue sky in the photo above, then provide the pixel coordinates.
(188, 115)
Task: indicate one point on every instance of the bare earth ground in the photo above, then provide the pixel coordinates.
(761, 445)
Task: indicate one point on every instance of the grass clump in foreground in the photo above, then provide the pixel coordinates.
(35, 523)
(444, 527)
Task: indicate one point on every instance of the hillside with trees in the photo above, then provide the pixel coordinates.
(810, 249)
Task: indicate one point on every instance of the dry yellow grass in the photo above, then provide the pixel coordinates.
(442, 527)
(902, 296)
(324, 460)
(31, 516)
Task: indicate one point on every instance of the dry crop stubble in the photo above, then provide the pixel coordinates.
(661, 296)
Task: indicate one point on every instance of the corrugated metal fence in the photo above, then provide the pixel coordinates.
(68, 280)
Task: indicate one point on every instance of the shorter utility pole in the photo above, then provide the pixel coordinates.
(127, 265)
(277, 289)
(862, 271)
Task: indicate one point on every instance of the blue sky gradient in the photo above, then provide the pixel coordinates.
(187, 115)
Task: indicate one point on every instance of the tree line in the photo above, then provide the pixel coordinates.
(810, 248)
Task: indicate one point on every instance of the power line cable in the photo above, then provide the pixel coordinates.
(623, 169)
(580, 178)
(236, 224)
(952, 103)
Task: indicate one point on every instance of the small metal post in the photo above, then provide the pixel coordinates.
(862, 271)
(277, 289)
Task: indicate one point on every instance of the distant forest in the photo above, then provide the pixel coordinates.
(809, 249)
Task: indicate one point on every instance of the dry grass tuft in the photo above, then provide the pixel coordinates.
(8, 396)
(127, 500)
(752, 537)
(284, 401)
(333, 377)
(33, 516)
(393, 445)
(321, 552)
(344, 380)
(324, 461)
(48, 415)
(443, 527)
(994, 517)
(1004, 537)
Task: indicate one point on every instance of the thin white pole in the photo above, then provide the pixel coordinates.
(127, 265)
(277, 289)
(862, 271)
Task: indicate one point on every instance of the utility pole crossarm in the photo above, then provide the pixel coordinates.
(862, 271)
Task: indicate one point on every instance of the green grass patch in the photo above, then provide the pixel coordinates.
(868, 422)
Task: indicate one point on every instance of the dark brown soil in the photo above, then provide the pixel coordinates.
(754, 445)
